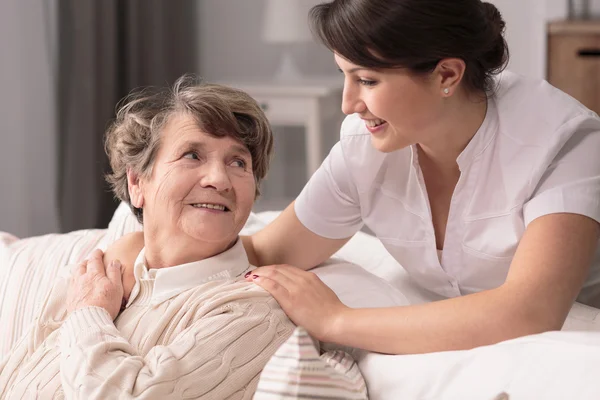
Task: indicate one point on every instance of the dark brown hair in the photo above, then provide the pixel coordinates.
(133, 140)
(416, 34)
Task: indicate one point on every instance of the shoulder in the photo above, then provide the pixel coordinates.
(125, 249)
(240, 298)
(533, 112)
(226, 294)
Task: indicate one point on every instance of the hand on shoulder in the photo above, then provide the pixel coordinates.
(126, 250)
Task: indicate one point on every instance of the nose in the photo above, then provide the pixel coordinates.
(351, 100)
(215, 176)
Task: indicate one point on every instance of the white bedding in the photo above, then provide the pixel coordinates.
(555, 365)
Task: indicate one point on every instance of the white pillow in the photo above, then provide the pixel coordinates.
(29, 267)
(358, 288)
(553, 365)
(27, 272)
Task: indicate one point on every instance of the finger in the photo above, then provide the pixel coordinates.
(97, 253)
(113, 273)
(79, 269)
(265, 270)
(275, 274)
(292, 277)
(275, 289)
(95, 264)
(295, 273)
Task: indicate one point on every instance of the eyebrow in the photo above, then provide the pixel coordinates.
(239, 148)
(356, 69)
(235, 148)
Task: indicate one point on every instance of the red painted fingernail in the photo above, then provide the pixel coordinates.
(247, 274)
(254, 276)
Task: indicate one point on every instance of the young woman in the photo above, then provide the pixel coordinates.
(484, 185)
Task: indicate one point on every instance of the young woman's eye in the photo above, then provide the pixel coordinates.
(239, 163)
(366, 82)
(192, 155)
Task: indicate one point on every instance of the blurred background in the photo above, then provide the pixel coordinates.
(66, 63)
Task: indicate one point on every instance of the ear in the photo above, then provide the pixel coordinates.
(450, 72)
(134, 185)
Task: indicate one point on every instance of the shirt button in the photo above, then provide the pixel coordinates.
(502, 396)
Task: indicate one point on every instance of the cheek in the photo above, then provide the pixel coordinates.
(246, 192)
(416, 110)
(171, 186)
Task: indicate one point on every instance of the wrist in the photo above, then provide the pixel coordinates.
(338, 327)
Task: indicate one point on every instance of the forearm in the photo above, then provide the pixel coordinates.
(455, 324)
(272, 255)
(287, 241)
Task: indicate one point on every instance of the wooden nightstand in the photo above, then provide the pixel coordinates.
(310, 104)
(574, 60)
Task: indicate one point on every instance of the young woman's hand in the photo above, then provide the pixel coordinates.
(304, 298)
(94, 285)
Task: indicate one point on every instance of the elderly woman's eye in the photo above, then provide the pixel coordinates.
(239, 163)
(191, 155)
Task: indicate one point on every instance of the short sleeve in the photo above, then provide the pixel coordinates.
(571, 184)
(329, 205)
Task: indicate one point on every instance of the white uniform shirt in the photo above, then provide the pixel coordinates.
(536, 153)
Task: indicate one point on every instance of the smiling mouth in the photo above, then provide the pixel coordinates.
(210, 206)
(374, 123)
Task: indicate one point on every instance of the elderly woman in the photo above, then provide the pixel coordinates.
(189, 162)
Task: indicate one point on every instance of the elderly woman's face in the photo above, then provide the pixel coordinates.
(201, 187)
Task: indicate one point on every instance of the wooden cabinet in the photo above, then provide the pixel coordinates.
(574, 60)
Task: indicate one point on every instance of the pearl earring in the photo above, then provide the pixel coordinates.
(446, 91)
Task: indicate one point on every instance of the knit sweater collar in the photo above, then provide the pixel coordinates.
(171, 281)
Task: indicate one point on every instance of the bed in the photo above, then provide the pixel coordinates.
(554, 365)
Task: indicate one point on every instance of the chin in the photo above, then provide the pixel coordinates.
(387, 146)
(209, 233)
(213, 237)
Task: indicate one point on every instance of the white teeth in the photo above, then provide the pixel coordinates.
(211, 206)
(372, 123)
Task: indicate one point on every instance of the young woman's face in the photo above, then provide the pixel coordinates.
(398, 108)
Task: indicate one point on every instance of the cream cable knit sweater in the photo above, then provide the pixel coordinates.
(208, 342)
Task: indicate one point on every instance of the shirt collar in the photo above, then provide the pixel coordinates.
(482, 138)
(478, 142)
(171, 281)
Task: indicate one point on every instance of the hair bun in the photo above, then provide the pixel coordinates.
(494, 18)
(494, 56)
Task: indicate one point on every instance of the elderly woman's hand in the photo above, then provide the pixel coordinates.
(94, 285)
(306, 300)
(125, 250)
